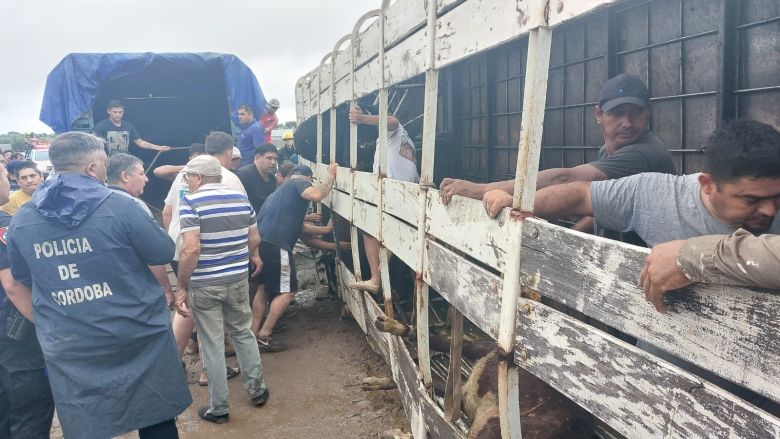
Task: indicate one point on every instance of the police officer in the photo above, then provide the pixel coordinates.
(101, 318)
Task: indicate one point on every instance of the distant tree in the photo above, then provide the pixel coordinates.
(289, 125)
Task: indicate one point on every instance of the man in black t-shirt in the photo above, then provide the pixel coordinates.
(258, 177)
(119, 133)
(26, 401)
(259, 182)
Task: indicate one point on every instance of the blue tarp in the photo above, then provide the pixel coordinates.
(73, 85)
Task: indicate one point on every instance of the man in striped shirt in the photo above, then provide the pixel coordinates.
(220, 239)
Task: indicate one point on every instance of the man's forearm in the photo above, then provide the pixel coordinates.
(188, 260)
(738, 259)
(563, 200)
(161, 274)
(19, 294)
(167, 216)
(311, 229)
(324, 187)
(141, 143)
(254, 240)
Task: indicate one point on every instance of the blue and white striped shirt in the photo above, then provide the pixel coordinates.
(223, 217)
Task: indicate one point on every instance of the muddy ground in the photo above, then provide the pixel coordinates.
(315, 386)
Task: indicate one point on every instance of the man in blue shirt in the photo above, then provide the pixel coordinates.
(251, 135)
(280, 222)
(83, 253)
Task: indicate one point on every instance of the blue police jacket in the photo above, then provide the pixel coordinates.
(101, 317)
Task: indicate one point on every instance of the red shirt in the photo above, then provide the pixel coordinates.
(268, 121)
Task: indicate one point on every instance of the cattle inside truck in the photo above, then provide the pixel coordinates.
(172, 99)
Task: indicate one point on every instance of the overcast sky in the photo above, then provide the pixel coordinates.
(279, 40)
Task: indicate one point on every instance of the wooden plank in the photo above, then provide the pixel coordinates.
(464, 225)
(341, 63)
(367, 44)
(387, 288)
(402, 200)
(730, 331)
(341, 204)
(474, 291)
(452, 395)
(435, 422)
(477, 25)
(408, 59)
(636, 393)
(367, 78)
(366, 187)
(407, 379)
(343, 91)
(381, 339)
(343, 178)
(402, 240)
(366, 216)
(401, 17)
(352, 299)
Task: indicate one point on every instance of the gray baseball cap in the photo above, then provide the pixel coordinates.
(204, 165)
(623, 89)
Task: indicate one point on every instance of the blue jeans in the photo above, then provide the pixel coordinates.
(216, 309)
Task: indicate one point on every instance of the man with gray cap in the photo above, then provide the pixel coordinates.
(623, 113)
(220, 240)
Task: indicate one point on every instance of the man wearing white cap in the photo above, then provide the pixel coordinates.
(220, 240)
(235, 163)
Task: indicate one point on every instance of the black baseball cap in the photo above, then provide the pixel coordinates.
(302, 170)
(623, 89)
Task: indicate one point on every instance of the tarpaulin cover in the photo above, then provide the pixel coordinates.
(73, 85)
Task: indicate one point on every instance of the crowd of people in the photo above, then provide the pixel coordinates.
(87, 298)
(83, 262)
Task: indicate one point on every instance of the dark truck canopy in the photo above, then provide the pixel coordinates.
(77, 84)
(172, 98)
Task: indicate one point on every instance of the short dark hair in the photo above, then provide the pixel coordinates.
(286, 169)
(69, 150)
(120, 162)
(265, 148)
(218, 142)
(247, 108)
(743, 148)
(26, 164)
(115, 103)
(197, 148)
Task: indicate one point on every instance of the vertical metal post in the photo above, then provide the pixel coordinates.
(430, 109)
(537, 69)
(353, 146)
(384, 255)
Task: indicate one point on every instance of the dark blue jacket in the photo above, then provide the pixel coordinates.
(101, 317)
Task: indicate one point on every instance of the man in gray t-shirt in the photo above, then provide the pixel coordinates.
(659, 207)
(739, 188)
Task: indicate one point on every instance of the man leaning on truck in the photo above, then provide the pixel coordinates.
(119, 133)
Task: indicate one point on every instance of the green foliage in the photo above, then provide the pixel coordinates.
(289, 125)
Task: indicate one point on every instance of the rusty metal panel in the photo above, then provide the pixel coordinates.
(758, 63)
